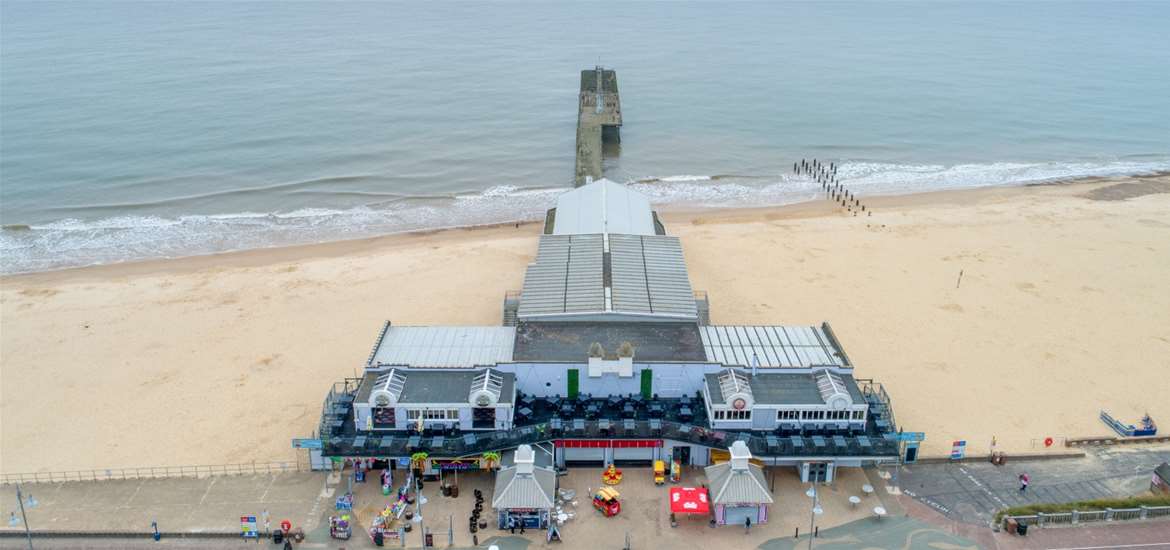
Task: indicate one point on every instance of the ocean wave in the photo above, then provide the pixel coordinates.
(74, 242)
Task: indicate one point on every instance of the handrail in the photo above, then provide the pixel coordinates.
(156, 472)
(1082, 516)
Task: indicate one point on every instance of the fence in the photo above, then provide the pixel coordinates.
(157, 472)
(1077, 516)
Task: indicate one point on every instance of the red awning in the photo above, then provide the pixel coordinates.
(689, 500)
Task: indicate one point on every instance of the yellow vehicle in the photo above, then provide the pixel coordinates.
(659, 472)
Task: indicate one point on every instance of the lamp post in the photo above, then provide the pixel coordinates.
(816, 511)
(23, 517)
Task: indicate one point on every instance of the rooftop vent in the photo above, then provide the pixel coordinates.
(485, 389)
(833, 391)
(737, 393)
(387, 388)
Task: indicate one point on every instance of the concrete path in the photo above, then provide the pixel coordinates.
(972, 492)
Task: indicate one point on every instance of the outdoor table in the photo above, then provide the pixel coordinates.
(863, 441)
(772, 441)
(556, 424)
(854, 501)
(656, 425)
(469, 440)
(797, 441)
(839, 441)
(637, 398)
(628, 426)
(359, 441)
(818, 441)
(628, 410)
(882, 424)
(603, 424)
(614, 399)
(655, 409)
(438, 441)
(554, 400)
(526, 400)
(525, 411)
(578, 425)
(685, 400)
(413, 442)
(879, 512)
(567, 409)
(867, 489)
(685, 413)
(336, 424)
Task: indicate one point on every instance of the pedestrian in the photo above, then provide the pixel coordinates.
(521, 527)
(747, 525)
(1024, 480)
(512, 525)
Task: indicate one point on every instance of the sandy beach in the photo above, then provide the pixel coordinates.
(1062, 310)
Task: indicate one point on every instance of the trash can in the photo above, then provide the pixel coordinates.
(1022, 529)
(1010, 526)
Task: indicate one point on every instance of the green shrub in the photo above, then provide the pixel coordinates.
(1084, 505)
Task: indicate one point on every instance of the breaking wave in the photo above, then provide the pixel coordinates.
(76, 242)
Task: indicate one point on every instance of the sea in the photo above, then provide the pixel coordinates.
(140, 130)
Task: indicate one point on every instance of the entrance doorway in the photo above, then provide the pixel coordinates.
(682, 455)
(483, 418)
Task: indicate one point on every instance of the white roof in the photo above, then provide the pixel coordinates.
(648, 278)
(444, 346)
(603, 207)
(771, 346)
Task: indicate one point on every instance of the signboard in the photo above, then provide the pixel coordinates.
(958, 450)
(248, 527)
(404, 462)
(911, 436)
(448, 465)
(307, 444)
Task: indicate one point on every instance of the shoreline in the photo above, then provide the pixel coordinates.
(1061, 312)
(676, 213)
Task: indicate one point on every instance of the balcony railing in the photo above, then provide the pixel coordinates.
(473, 443)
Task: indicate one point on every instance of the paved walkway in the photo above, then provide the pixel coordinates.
(972, 492)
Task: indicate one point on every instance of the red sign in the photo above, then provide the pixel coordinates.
(607, 443)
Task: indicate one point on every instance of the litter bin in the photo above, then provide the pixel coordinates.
(1010, 526)
(1022, 529)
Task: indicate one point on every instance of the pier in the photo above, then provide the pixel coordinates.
(599, 119)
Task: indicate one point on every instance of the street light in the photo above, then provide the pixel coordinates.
(816, 511)
(31, 504)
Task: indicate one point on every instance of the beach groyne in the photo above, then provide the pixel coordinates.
(599, 120)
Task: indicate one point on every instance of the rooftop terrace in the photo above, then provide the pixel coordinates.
(570, 341)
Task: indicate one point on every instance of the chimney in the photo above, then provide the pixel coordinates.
(526, 459)
(740, 455)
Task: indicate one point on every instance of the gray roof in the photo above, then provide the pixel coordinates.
(603, 207)
(647, 278)
(775, 346)
(437, 386)
(728, 486)
(443, 346)
(785, 388)
(570, 341)
(522, 491)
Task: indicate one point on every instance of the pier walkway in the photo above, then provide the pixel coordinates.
(599, 117)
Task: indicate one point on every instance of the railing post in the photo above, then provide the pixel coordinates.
(1039, 519)
(1144, 513)
(1076, 517)
(1109, 514)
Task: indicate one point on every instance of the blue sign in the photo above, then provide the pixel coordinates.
(912, 436)
(404, 462)
(958, 450)
(307, 444)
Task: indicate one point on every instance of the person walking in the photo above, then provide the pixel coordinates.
(747, 526)
(512, 525)
(1024, 480)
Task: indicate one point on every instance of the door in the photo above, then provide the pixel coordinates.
(682, 455)
(584, 455)
(818, 472)
(737, 515)
(574, 378)
(634, 456)
(647, 383)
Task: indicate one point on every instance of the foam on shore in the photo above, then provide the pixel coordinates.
(74, 242)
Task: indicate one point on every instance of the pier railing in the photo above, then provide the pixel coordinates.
(157, 472)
